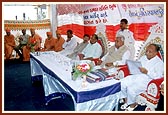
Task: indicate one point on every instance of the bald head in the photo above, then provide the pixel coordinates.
(151, 51)
(8, 32)
(49, 34)
(58, 34)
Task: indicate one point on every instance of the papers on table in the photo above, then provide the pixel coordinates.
(133, 66)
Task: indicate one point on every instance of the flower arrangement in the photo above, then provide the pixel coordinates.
(33, 42)
(81, 69)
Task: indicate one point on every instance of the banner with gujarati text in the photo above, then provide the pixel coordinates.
(140, 18)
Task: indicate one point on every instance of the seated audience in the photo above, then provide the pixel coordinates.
(92, 50)
(117, 54)
(79, 48)
(59, 41)
(9, 44)
(133, 85)
(49, 44)
(70, 44)
(34, 44)
(23, 40)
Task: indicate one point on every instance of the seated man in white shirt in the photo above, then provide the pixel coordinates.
(70, 44)
(133, 85)
(92, 50)
(117, 54)
(79, 48)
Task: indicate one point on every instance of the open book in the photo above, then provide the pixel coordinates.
(133, 66)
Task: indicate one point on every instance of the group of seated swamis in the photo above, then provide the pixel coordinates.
(90, 49)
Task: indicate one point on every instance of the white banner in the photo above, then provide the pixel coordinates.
(111, 14)
(107, 14)
(142, 13)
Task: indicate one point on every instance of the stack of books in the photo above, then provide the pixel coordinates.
(98, 76)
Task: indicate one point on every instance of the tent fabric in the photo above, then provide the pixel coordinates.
(140, 30)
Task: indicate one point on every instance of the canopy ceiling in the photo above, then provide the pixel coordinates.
(71, 8)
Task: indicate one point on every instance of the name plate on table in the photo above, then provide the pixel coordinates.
(98, 76)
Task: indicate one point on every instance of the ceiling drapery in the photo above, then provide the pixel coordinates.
(69, 8)
(26, 24)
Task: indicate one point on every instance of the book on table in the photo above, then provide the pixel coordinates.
(98, 75)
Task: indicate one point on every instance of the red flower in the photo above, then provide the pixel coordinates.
(33, 41)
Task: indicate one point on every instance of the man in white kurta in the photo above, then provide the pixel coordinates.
(92, 50)
(129, 39)
(133, 85)
(79, 48)
(69, 45)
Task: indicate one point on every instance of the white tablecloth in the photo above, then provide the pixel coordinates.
(56, 71)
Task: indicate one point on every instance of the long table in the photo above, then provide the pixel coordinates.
(56, 69)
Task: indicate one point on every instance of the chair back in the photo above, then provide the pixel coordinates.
(103, 42)
(153, 87)
(156, 37)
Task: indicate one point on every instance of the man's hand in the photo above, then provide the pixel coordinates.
(98, 62)
(143, 70)
(81, 56)
(109, 64)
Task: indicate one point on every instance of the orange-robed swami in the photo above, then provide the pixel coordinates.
(49, 44)
(59, 42)
(9, 42)
(36, 39)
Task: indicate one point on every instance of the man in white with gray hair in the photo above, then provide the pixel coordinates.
(117, 54)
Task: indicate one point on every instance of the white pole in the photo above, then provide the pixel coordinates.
(53, 18)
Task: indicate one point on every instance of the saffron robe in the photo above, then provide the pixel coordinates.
(9, 44)
(34, 44)
(49, 44)
(58, 44)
